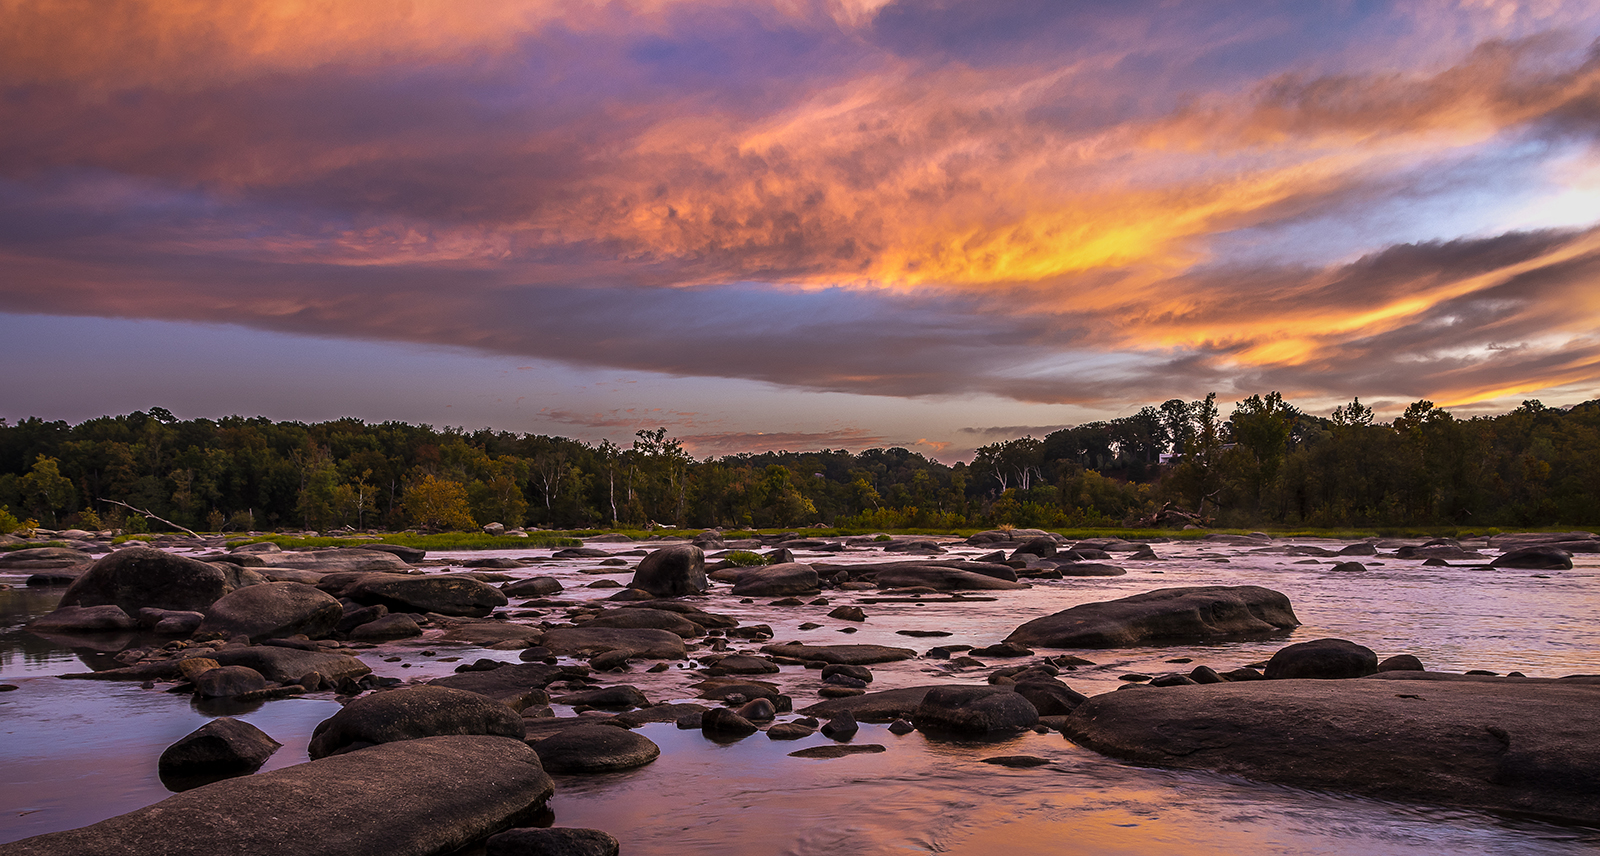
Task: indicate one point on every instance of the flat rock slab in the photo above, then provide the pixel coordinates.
(1501, 745)
(1174, 615)
(850, 655)
(413, 798)
(943, 578)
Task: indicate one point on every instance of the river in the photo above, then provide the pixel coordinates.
(76, 752)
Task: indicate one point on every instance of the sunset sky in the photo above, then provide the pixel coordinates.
(794, 224)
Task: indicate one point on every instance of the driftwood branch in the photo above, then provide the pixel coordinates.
(151, 516)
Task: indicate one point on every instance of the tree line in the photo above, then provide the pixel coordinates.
(1180, 462)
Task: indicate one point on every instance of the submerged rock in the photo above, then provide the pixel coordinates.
(1163, 616)
(413, 798)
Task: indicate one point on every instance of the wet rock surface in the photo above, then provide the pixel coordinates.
(1499, 744)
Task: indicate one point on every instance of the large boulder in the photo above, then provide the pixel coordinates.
(777, 580)
(973, 711)
(1503, 744)
(423, 797)
(409, 714)
(595, 749)
(446, 594)
(643, 643)
(273, 611)
(1322, 658)
(672, 571)
(222, 747)
(1163, 616)
(1538, 557)
(136, 577)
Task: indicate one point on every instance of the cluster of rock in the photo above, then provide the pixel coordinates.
(260, 623)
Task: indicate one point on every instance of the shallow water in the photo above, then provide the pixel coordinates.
(76, 752)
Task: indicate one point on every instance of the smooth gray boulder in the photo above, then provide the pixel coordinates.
(973, 711)
(672, 571)
(222, 747)
(1500, 744)
(425, 797)
(1163, 616)
(1322, 658)
(136, 577)
(409, 714)
(552, 842)
(273, 611)
(595, 749)
(788, 578)
(446, 594)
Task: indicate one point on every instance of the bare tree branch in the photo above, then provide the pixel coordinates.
(151, 516)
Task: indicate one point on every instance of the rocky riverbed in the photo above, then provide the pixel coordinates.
(909, 694)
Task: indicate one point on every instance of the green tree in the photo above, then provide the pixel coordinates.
(45, 490)
(438, 504)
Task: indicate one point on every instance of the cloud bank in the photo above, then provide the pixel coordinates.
(1052, 202)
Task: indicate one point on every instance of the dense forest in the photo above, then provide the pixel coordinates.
(1266, 464)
